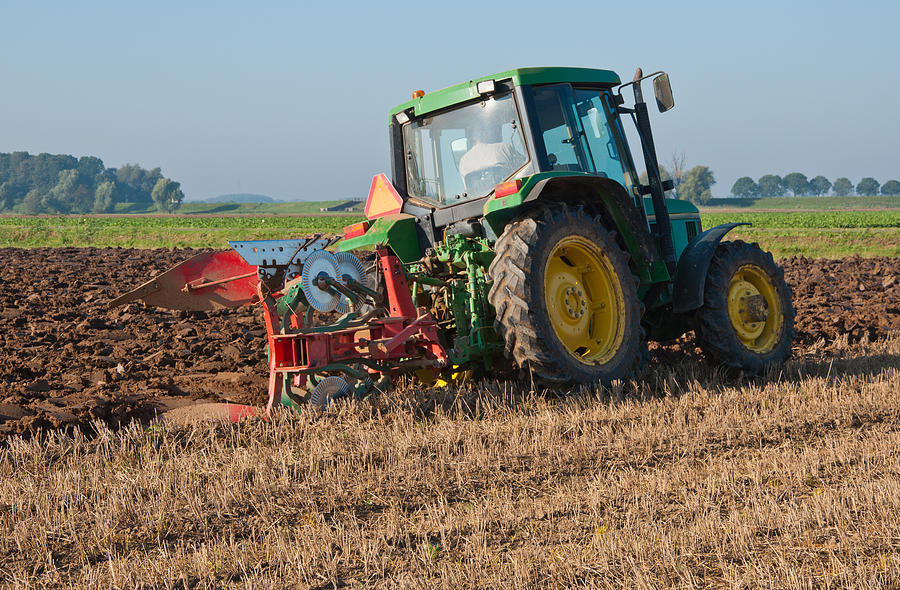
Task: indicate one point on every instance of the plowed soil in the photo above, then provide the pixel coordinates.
(66, 359)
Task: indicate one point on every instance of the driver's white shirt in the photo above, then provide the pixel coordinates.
(487, 155)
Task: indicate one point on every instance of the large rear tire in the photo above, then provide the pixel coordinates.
(565, 298)
(747, 318)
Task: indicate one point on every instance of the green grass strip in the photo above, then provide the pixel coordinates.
(807, 219)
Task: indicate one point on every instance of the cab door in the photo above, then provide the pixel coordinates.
(560, 139)
(600, 137)
(575, 132)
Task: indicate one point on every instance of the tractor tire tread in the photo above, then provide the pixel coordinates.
(714, 332)
(517, 318)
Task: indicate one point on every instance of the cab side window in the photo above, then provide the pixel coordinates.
(560, 134)
(597, 131)
(576, 131)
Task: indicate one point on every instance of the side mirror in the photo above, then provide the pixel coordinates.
(663, 91)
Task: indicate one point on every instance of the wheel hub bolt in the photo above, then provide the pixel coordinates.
(575, 303)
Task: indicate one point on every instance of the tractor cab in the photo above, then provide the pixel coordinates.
(452, 147)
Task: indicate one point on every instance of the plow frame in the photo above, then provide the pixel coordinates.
(403, 341)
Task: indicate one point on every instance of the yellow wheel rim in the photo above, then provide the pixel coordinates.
(454, 375)
(584, 300)
(754, 309)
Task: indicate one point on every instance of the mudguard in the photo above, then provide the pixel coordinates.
(578, 187)
(690, 275)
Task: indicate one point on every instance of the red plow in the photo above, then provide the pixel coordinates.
(362, 337)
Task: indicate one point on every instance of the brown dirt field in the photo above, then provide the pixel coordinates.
(67, 360)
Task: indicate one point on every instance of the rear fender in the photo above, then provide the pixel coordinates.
(690, 275)
(599, 195)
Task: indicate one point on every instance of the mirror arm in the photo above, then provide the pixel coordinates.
(618, 89)
(638, 95)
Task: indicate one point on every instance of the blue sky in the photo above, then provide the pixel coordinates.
(291, 100)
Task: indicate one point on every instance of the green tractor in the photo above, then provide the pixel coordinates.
(513, 230)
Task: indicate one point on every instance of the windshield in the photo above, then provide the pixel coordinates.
(461, 154)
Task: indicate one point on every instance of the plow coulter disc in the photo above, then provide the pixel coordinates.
(348, 265)
(321, 262)
(328, 389)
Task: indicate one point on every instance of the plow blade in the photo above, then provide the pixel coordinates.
(219, 412)
(211, 280)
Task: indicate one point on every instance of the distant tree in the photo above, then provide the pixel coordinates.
(771, 185)
(820, 186)
(891, 187)
(797, 183)
(843, 187)
(151, 177)
(663, 174)
(90, 166)
(676, 165)
(6, 197)
(42, 171)
(696, 185)
(107, 174)
(129, 174)
(745, 188)
(167, 195)
(136, 183)
(81, 199)
(104, 197)
(159, 194)
(867, 187)
(59, 199)
(32, 203)
(72, 194)
(17, 160)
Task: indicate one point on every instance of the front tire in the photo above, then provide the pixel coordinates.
(747, 318)
(565, 298)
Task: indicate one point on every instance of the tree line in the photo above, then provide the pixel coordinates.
(772, 185)
(60, 183)
(695, 184)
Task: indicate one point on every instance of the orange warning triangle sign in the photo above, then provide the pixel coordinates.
(383, 198)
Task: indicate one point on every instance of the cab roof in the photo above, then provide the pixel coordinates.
(439, 99)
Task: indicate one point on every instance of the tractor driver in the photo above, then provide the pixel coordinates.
(489, 160)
